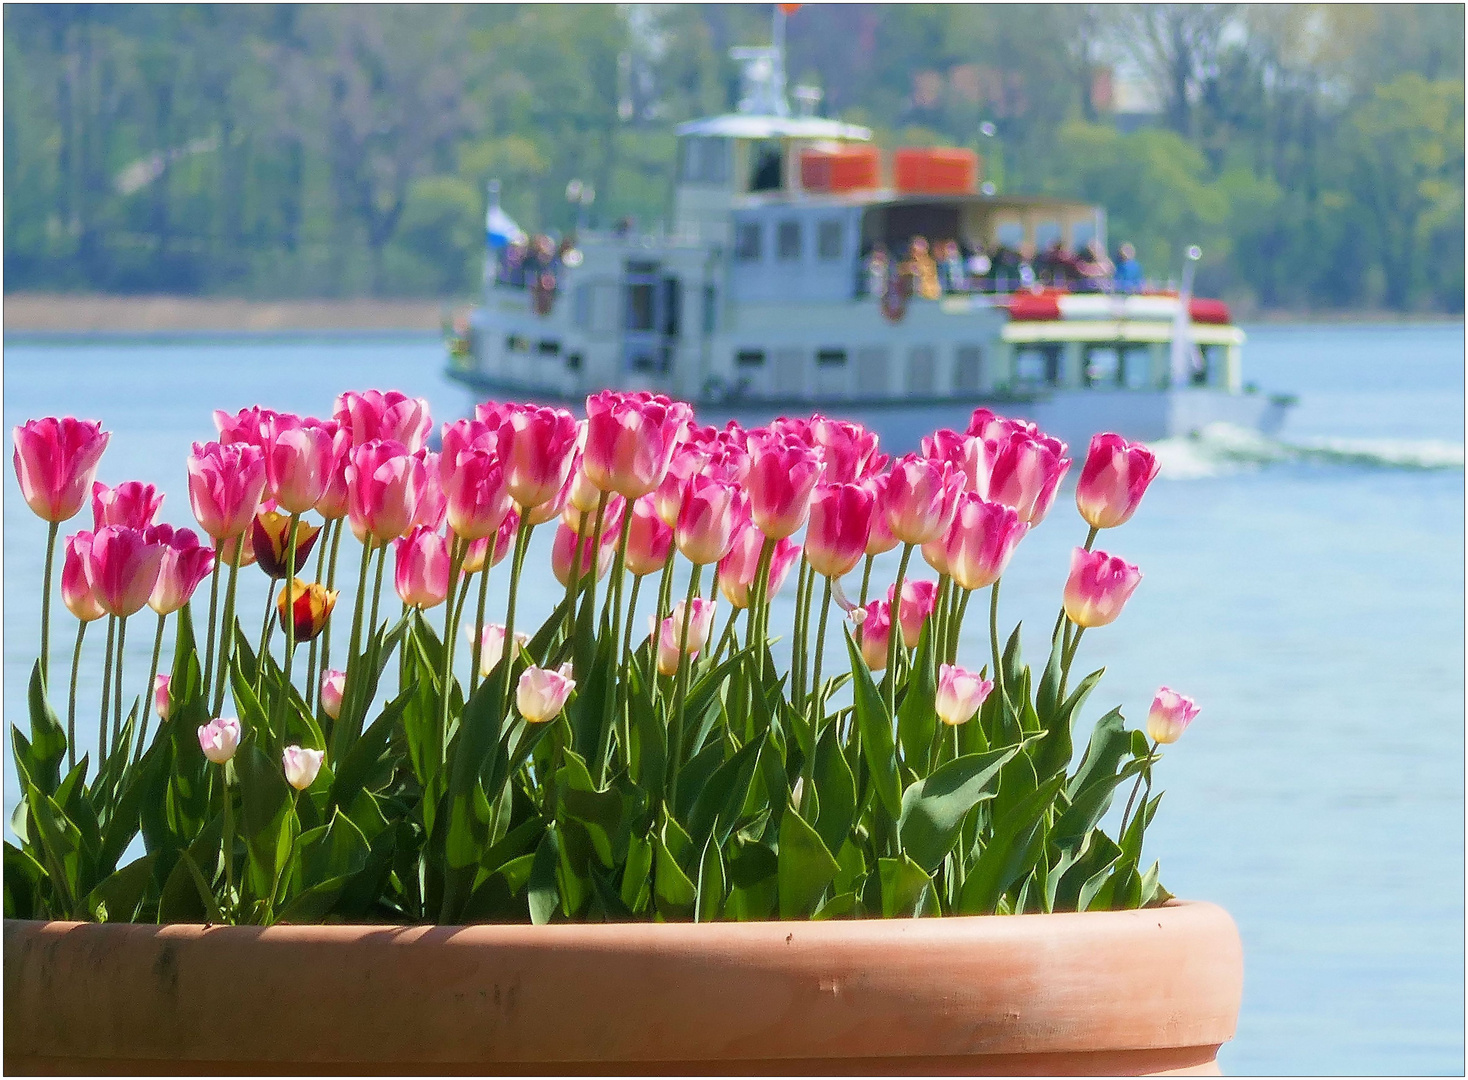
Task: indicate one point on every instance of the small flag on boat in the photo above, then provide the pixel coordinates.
(500, 230)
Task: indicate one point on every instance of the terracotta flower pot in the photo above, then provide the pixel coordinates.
(1109, 992)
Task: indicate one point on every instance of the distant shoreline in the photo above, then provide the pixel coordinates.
(92, 315)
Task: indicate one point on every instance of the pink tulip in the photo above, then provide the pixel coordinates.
(1113, 480)
(981, 541)
(421, 572)
(668, 656)
(564, 549)
(989, 425)
(122, 567)
(472, 473)
(920, 498)
(688, 461)
(162, 701)
(248, 426)
(492, 645)
(541, 693)
(648, 539)
(219, 738)
(76, 590)
(793, 427)
(700, 623)
(874, 632)
(935, 554)
(1170, 715)
(1026, 473)
(299, 456)
(225, 550)
(333, 502)
(383, 480)
(552, 508)
(845, 447)
(393, 416)
(494, 414)
(333, 686)
(479, 553)
(738, 569)
(783, 475)
(134, 504)
(225, 485)
(919, 598)
(960, 451)
(880, 538)
(1098, 587)
(960, 693)
(540, 449)
(582, 496)
(840, 525)
(430, 507)
(630, 440)
(185, 563)
(56, 461)
(712, 512)
(301, 766)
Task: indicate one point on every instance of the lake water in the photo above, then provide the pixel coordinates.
(1307, 591)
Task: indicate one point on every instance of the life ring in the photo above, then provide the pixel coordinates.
(895, 297)
(543, 294)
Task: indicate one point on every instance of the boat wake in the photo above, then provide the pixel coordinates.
(1221, 449)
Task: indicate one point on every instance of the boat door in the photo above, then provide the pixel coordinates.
(652, 317)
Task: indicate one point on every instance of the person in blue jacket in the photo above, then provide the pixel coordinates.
(1128, 270)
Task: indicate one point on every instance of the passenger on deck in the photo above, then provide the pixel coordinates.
(1128, 270)
(952, 277)
(1095, 269)
(1057, 266)
(979, 268)
(512, 266)
(922, 269)
(1006, 269)
(872, 280)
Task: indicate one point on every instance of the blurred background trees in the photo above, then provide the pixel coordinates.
(1314, 151)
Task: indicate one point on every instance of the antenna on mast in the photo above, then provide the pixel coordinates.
(764, 70)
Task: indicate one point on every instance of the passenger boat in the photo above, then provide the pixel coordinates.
(762, 297)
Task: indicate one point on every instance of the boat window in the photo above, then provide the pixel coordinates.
(641, 306)
(672, 307)
(747, 241)
(1046, 233)
(871, 370)
(968, 369)
(1208, 358)
(787, 240)
(1037, 365)
(705, 160)
(749, 358)
(1081, 234)
(581, 307)
(1103, 365)
(710, 309)
(768, 167)
(573, 361)
(831, 357)
(515, 343)
(1010, 234)
(1136, 367)
(829, 239)
(922, 369)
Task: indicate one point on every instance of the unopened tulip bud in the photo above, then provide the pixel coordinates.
(700, 623)
(333, 684)
(919, 598)
(873, 632)
(219, 739)
(226, 482)
(133, 504)
(270, 539)
(648, 539)
(630, 440)
(541, 693)
(920, 498)
(960, 693)
(76, 590)
(1170, 715)
(665, 637)
(981, 541)
(711, 514)
(1026, 472)
(309, 606)
(840, 525)
(1098, 587)
(122, 567)
(162, 703)
(421, 568)
(492, 645)
(56, 461)
(302, 766)
(1113, 480)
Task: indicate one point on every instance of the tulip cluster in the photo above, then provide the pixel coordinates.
(637, 490)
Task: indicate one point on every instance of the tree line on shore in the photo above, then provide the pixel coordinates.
(1315, 152)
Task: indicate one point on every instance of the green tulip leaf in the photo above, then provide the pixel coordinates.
(806, 867)
(875, 725)
(933, 809)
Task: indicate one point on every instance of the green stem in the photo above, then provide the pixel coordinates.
(998, 673)
(106, 691)
(804, 586)
(895, 633)
(51, 530)
(626, 734)
(117, 689)
(148, 691)
(1127, 813)
(377, 585)
(213, 616)
(957, 629)
(866, 579)
(507, 658)
(1060, 619)
(573, 578)
(815, 690)
(336, 539)
(601, 514)
(665, 587)
(675, 732)
(479, 619)
(264, 634)
(76, 659)
(457, 549)
(313, 678)
(1067, 658)
(228, 835)
(728, 635)
(227, 628)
